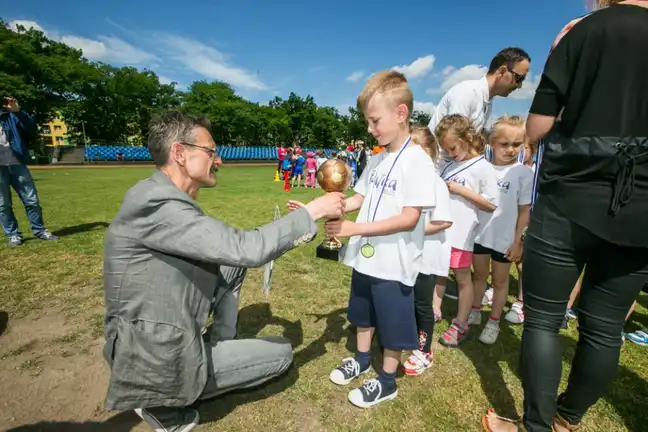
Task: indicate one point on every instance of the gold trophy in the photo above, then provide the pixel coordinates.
(333, 176)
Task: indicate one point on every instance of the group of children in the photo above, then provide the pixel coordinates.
(293, 167)
(437, 201)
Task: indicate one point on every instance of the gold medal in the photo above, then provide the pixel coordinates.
(367, 250)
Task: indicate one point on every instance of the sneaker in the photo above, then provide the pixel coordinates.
(453, 336)
(475, 317)
(15, 240)
(370, 394)
(46, 235)
(169, 419)
(347, 372)
(417, 363)
(572, 313)
(516, 314)
(451, 290)
(487, 300)
(640, 337)
(490, 333)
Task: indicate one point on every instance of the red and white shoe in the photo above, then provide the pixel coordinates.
(418, 362)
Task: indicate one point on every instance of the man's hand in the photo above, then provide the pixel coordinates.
(341, 228)
(11, 105)
(330, 206)
(295, 205)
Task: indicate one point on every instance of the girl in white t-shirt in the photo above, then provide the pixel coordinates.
(434, 261)
(499, 235)
(472, 186)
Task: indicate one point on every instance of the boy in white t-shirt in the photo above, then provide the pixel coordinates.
(434, 262)
(386, 239)
(499, 237)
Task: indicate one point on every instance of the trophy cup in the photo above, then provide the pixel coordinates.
(333, 176)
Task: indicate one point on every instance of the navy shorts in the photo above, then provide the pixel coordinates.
(495, 256)
(386, 305)
(298, 171)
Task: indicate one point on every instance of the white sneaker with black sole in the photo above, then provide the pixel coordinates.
(347, 372)
(169, 419)
(371, 393)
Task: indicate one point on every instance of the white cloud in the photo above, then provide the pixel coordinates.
(107, 49)
(453, 76)
(165, 80)
(209, 62)
(110, 50)
(13, 25)
(418, 68)
(355, 76)
(426, 107)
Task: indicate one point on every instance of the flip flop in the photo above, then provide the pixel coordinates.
(491, 413)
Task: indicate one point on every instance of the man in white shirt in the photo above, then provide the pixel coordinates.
(473, 98)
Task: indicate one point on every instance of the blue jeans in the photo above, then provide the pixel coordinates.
(19, 177)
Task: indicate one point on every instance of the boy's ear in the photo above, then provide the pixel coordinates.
(402, 112)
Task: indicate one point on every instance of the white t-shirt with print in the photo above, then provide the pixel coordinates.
(478, 175)
(396, 255)
(514, 188)
(436, 248)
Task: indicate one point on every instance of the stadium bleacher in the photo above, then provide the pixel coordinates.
(109, 153)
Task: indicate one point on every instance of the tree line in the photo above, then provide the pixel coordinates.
(114, 104)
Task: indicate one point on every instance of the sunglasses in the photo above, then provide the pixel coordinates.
(519, 79)
(213, 152)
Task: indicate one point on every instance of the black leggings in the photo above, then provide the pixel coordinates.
(423, 296)
(555, 252)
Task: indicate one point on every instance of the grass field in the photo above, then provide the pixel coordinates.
(51, 369)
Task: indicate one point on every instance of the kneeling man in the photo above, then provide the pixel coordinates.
(162, 266)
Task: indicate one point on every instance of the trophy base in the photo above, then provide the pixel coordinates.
(333, 254)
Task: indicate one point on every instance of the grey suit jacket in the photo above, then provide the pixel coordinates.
(162, 259)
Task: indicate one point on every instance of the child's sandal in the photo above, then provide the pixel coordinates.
(491, 414)
(565, 424)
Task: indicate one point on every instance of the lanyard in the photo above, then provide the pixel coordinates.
(446, 178)
(385, 183)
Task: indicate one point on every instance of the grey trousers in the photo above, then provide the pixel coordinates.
(239, 363)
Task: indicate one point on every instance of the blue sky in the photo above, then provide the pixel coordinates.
(326, 49)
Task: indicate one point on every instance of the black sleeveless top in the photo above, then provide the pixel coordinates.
(595, 162)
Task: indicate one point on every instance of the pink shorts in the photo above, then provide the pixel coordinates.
(460, 259)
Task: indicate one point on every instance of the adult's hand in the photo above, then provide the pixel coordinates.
(10, 104)
(328, 206)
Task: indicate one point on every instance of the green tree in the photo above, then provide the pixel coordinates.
(42, 74)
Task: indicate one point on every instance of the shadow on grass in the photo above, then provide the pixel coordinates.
(628, 393)
(77, 229)
(252, 319)
(486, 359)
(334, 332)
(124, 421)
(4, 322)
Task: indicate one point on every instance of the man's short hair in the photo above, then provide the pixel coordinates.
(390, 83)
(508, 57)
(170, 127)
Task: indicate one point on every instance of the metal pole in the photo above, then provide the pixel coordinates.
(85, 140)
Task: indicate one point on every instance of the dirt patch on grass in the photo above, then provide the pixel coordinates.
(52, 374)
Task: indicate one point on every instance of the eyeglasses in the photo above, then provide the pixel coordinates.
(213, 152)
(519, 78)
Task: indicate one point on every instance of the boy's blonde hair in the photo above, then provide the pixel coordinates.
(391, 84)
(503, 122)
(422, 136)
(461, 127)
